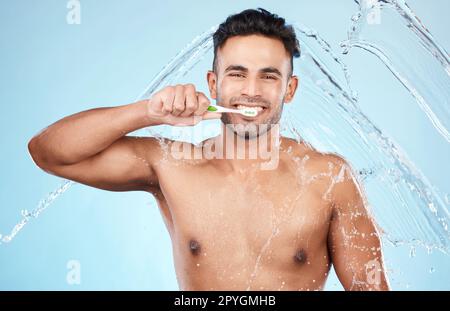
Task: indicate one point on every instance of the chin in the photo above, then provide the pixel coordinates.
(249, 130)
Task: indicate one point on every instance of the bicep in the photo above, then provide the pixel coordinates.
(354, 241)
(126, 165)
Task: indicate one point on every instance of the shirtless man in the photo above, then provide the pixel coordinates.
(233, 224)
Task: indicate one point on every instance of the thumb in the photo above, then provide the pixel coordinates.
(208, 115)
(193, 120)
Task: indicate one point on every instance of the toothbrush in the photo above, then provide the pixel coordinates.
(248, 112)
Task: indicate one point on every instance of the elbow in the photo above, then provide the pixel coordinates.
(37, 154)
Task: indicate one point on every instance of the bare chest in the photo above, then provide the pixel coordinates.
(236, 219)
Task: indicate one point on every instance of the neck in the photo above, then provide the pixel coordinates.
(258, 152)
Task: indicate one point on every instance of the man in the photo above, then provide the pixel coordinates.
(235, 222)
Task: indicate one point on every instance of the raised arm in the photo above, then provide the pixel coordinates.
(354, 241)
(91, 147)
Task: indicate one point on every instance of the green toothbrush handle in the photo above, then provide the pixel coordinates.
(211, 108)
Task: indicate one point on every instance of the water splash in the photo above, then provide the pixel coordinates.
(42, 205)
(181, 64)
(428, 83)
(329, 113)
(426, 80)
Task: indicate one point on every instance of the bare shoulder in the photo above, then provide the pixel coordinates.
(160, 151)
(332, 168)
(344, 188)
(347, 189)
(337, 163)
(319, 162)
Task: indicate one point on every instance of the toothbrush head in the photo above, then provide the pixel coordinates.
(249, 112)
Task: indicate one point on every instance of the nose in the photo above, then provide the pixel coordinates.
(251, 87)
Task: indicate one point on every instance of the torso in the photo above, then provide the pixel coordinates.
(249, 230)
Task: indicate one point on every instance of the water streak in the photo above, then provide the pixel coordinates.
(42, 205)
(425, 73)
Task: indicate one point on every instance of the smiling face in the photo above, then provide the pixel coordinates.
(252, 71)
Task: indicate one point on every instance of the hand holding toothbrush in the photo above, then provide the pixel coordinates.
(179, 105)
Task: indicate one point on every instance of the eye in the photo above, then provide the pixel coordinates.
(236, 75)
(269, 77)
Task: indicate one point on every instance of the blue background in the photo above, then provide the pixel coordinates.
(50, 69)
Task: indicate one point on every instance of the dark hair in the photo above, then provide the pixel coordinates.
(259, 21)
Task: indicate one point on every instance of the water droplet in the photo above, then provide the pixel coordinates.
(412, 252)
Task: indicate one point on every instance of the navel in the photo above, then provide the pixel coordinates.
(301, 256)
(194, 247)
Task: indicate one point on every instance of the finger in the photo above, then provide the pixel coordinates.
(193, 120)
(167, 100)
(203, 103)
(211, 115)
(179, 101)
(191, 100)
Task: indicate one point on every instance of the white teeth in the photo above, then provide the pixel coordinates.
(247, 107)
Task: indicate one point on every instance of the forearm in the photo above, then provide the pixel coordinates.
(82, 135)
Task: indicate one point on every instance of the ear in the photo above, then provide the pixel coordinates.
(212, 83)
(291, 88)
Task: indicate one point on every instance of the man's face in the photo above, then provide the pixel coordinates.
(252, 71)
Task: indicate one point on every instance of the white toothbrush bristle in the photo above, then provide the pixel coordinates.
(250, 112)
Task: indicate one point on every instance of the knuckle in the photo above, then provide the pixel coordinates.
(178, 107)
(167, 93)
(167, 99)
(191, 105)
(169, 89)
(167, 108)
(190, 87)
(203, 103)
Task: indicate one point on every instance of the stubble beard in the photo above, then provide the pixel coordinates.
(252, 130)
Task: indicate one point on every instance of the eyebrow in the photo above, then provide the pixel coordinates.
(263, 70)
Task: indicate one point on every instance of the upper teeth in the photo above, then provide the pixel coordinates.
(247, 107)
